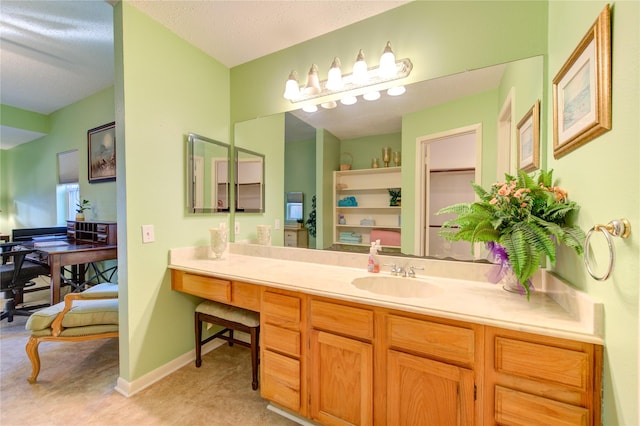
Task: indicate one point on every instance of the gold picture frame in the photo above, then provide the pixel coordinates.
(529, 139)
(582, 90)
(101, 148)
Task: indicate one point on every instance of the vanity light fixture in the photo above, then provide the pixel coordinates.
(349, 85)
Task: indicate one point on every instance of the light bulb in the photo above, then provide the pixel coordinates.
(313, 82)
(387, 67)
(310, 108)
(396, 91)
(329, 105)
(349, 100)
(371, 96)
(360, 72)
(334, 79)
(292, 89)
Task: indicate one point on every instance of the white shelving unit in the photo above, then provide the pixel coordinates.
(370, 187)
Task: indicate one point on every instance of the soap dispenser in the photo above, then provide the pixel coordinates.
(374, 265)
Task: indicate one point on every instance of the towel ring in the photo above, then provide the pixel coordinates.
(618, 228)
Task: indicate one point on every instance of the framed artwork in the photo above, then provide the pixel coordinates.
(582, 90)
(529, 139)
(102, 153)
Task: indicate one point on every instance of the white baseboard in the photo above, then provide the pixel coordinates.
(128, 389)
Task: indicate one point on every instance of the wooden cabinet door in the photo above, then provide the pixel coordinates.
(421, 391)
(341, 380)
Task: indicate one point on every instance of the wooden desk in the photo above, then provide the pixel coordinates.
(74, 253)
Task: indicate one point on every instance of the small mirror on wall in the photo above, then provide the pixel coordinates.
(249, 182)
(208, 180)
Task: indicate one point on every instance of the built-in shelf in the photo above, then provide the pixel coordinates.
(370, 188)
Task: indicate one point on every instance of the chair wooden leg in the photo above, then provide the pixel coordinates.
(198, 329)
(254, 357)
(230, 337)
(34, 357)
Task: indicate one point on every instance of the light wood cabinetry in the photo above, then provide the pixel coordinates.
(370, 188)
(281, 351)
(341, 369)
(539, 380)
(421, 391)
(346, 363)
(296, 237)
(430, 372)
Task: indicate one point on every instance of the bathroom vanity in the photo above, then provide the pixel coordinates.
(343, 346)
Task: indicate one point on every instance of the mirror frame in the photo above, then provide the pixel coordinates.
(237, 209)
(192, 139)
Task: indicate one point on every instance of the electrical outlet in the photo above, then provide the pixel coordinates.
(148, 235)
(277, 225)
(237, 228)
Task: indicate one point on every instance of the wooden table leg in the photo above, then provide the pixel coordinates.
(56, 270)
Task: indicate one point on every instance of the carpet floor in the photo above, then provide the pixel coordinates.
(77, 380)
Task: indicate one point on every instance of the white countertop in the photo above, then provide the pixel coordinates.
(555, 309)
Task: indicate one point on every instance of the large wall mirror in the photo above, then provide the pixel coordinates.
(495, 97)
(208, 171)
(249, 181)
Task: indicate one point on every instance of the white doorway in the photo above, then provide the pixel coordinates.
(447, 163)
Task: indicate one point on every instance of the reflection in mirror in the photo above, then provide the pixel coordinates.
(427, 109)
(294, 208)
(249, 181)
(208, 175)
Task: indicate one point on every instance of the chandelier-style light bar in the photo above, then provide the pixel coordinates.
(336, 83)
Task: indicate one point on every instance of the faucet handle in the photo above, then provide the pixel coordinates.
(394, 270)
(412, 272)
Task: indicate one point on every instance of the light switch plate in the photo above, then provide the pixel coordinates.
(148, 235)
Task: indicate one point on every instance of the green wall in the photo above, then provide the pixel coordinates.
(166, 88)
(365, 149)
(264, 135)
(30, 170)
(603, 177)
(440, 38)
(300, 173)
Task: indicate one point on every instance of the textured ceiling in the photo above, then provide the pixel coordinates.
(54, 53)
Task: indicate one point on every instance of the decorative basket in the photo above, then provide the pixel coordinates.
(346, 165)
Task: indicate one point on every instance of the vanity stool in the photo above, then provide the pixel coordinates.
(231, 318)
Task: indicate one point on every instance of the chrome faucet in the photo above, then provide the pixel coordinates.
(403, 271)
(412, 272)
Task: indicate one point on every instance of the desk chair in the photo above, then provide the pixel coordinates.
(15, 277)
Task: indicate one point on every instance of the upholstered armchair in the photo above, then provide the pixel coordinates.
(90, 315)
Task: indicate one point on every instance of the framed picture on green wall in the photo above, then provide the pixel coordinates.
(529, 139)
(102, 153)
(582, 90)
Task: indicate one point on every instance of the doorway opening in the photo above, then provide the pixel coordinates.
(449, 162)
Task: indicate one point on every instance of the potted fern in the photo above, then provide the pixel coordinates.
(521, 219)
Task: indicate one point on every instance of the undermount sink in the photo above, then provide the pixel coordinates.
(397, 287)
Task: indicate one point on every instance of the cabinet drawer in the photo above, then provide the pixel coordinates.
(280, 340)
(346, 320)
(102, 227)
(206, 287)
(245, 295)
(448, 342)
(519, 408)
(280, 380)
(536, 361)
(281, 310)
(292, 235)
